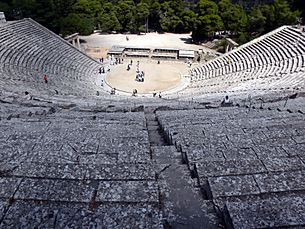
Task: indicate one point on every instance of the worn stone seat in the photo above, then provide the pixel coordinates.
(242, 156)
(241, 68)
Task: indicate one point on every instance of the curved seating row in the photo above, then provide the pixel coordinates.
(275, 61)
(28, 51)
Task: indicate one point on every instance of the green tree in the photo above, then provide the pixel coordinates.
(4, 7)
(154, 15)
(140, 18)
(125, 11)
(284, 14)
(257, 21)
(107, 19)
(170, 16)
(208, 21)
(91, 8)
(233, 15)
(77, 23)
(277, 14)
(188, 18)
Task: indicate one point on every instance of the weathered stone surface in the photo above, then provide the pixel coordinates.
(137, 155)
(55, 190)
(240, 153)
(264, 151)
(128, 191)
(52, 171)
(28, 214)
(121, 172)
(51, 157)
(205, 155)
(295, 149)
(233, 186)
(231, 167)
(8, 186)
(267, 213)
(299, 139)
(98, 159)
(281, 182)
(283, 164)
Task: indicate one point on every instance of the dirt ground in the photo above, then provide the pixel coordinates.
(158, 77)
(97, 52)
(149, 40)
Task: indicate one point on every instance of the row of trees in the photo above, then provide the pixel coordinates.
(203, 19)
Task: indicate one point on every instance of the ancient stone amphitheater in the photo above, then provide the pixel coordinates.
(73, 159)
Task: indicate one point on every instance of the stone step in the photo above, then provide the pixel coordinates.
(166, 154)
(152, 123)
(153, 128)
(187, 206)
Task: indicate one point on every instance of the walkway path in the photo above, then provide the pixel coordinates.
(184, 205)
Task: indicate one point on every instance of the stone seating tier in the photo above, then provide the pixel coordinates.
(279, 54)
(254, 158)
(28, 51)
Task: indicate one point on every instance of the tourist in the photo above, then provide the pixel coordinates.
(27, 95)
(45, 78)
(160, 95)
(134, 92)
(226, 101)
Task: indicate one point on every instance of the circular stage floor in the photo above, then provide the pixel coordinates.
(158, 77)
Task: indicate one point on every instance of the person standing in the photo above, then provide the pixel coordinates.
(45, 78)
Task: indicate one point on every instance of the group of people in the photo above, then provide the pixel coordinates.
(140, 76)
(155, 94)
(113, 90)
(115, 60)
(102, 70)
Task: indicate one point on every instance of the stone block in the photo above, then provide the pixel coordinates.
(121, 172)
(275, 212)
(233, 186)
(52, 171)
(128, 191)
(55, 190)
(29, 214)
(281, 182)
(283, 164)
(231, 167)
(8, 186)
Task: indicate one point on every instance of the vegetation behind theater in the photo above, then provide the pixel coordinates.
(244, 20)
